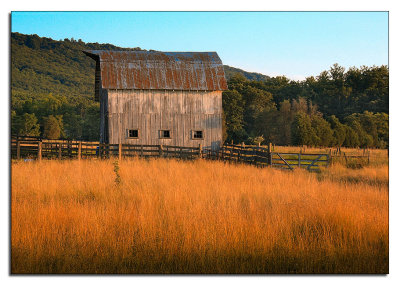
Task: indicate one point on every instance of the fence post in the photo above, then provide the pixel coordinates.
(39, 150)
(141, 150)
(270, 153)
(18, 149)
(160, 148)
(59, 150)
(299, 164)
(200, 150)
(119, 151)
(79, 150)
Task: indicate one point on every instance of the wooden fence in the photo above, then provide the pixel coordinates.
(309, 161)
(36, 148)
(352, 158)
(255, 155)
(260, 156)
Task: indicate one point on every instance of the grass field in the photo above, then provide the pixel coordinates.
(168, 216)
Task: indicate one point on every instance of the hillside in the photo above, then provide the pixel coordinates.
(230, 71)
(43, 65)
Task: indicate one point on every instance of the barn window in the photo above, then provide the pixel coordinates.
(165, 134)
(197, 135)
(133, 134)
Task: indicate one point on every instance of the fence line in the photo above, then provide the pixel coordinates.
(260, 156)
(59, 149)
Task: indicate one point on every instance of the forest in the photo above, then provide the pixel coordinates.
(52, 95)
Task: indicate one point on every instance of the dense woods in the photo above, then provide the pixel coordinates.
(336, 108)
(52, 95)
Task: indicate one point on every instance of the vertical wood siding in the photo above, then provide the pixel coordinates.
(103, 116)
(150, 111)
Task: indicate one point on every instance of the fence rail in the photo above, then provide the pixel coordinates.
(260, 156)
(310, 161)
(30, 148)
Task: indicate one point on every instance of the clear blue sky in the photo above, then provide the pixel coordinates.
(295, 44)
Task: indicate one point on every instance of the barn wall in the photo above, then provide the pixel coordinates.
(103, 115)
(150, 111)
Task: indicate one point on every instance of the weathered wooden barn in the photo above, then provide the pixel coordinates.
(153, 98)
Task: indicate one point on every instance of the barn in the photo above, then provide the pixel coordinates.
(159, 98)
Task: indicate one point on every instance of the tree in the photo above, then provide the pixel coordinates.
(73, 125)
(256, 102)
(382, 125)
(302, 130)
(25, 125)
(267, 124)
(33, 42)
(52, 127)
(368, 123)
(232, 104)
(354, 122)
(274, 125)
(14, 123)
(91, 123)
(286, 117)
(300, 105)
(224, 132)
(352, 139)
(323, 131)
(339, 131)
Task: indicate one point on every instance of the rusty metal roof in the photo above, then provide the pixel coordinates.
(160, 70)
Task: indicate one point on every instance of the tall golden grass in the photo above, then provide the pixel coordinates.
(168, 216)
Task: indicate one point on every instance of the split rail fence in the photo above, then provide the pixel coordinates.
(260, 156)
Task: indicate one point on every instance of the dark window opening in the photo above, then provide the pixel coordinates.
(165, 134)
(198, 134)
(133, 134)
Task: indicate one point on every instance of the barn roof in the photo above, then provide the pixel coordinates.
(160, 70)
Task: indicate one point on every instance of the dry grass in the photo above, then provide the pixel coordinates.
(170, 216)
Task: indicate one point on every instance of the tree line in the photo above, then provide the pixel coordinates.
(336, 108)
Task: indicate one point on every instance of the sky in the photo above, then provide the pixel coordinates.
(294, 44)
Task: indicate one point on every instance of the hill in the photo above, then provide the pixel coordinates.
(43, 65)
(230, 71)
